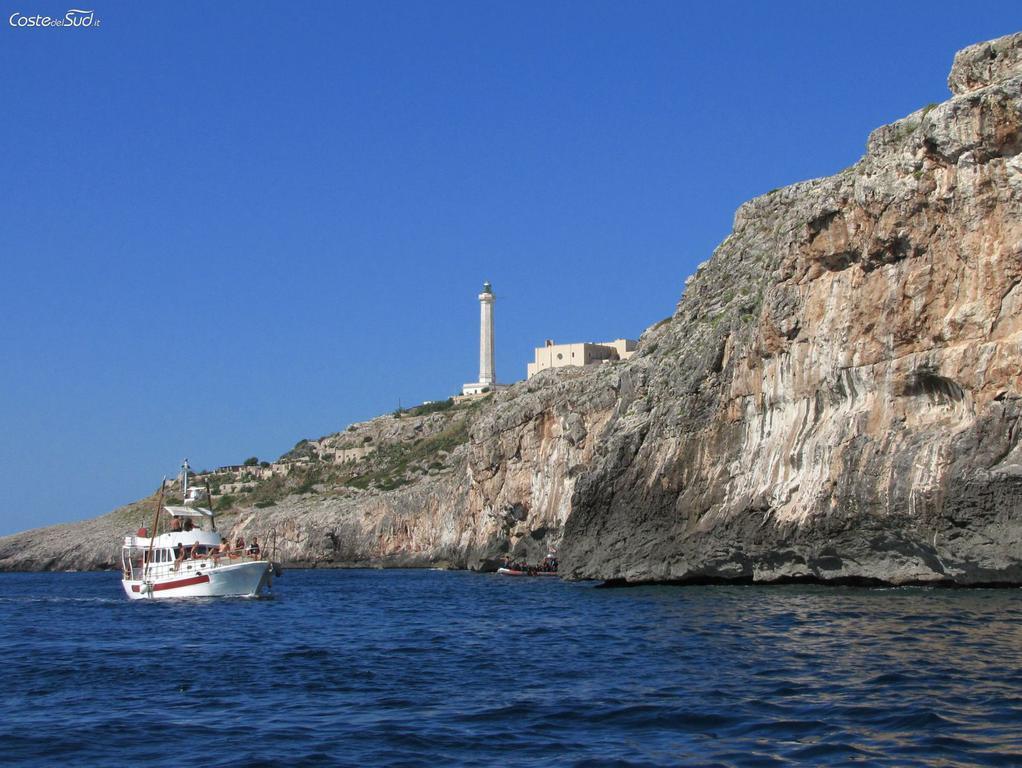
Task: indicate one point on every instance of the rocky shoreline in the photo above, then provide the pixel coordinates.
(837, 398)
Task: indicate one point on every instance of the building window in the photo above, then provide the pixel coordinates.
(560, 356)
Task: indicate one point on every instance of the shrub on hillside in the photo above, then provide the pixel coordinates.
(434, 407)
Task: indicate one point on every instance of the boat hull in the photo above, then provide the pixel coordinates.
(233, 580)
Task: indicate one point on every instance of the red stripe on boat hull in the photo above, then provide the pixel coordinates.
(201, 579)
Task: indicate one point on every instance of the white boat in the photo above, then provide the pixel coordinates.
(191, 559)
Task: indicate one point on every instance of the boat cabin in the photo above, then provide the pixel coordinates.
(199, 543)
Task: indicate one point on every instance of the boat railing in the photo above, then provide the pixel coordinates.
(232, 555)
(137, 568)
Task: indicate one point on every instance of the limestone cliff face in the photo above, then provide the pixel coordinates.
(838, 393)
(509, 489)
(837, 396)
(528, 452)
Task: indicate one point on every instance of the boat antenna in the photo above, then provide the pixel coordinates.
(209, 498)
(152, 534)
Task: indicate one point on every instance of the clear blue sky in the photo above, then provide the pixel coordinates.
(228, 226)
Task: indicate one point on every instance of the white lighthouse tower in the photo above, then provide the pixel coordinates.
(487, 375)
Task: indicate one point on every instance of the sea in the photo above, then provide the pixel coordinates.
(437, 668)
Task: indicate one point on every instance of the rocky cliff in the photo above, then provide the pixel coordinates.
(836, 397)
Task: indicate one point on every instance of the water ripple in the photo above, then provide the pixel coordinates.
(425, 668)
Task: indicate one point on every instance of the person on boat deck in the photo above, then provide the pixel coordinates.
(188, 524)
(222, 550)
(175, 524)
(194, 552)
(253, 548)
(239, 545)
(179, 553)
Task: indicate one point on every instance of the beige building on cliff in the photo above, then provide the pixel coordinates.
(552, 355)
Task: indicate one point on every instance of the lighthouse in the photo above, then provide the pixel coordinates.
(487, 375)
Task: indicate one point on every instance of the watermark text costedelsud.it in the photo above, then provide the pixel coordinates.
(75, 17)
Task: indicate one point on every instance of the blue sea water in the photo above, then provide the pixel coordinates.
(425, 668)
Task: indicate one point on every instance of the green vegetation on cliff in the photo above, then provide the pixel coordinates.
(375, 456)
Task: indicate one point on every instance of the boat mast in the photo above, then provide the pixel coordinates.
(212, 514)
(152, 533)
